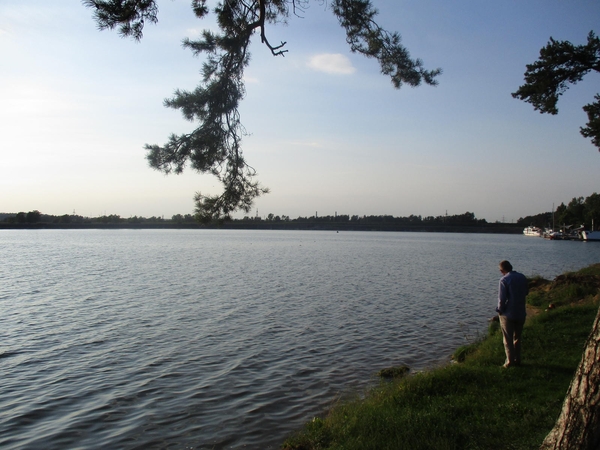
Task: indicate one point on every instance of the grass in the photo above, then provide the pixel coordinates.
(474, 404)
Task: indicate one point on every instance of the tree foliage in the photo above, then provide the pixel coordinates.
(560, 64)
(580, 211)
(214, 146)
(541, 220)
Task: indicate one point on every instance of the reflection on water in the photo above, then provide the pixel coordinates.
(225, 339)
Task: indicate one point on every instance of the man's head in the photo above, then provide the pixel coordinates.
(505, 267)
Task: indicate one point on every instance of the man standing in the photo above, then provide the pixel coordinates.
(511, 309)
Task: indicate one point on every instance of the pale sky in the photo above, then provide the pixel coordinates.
(327, 132)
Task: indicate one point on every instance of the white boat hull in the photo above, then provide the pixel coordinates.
(532, 231)
(590, 235)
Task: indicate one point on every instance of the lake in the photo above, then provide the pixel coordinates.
(215, 339)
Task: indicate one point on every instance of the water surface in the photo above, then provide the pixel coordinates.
(212, 339)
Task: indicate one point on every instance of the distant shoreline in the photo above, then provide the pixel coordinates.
(262, 225)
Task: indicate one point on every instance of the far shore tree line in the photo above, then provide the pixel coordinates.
(36, 218)
(579, 211)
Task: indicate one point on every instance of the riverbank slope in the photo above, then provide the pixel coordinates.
(475, 403)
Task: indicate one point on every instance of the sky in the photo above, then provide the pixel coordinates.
(327, 133)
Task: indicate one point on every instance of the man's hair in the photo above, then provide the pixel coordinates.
(506, 266)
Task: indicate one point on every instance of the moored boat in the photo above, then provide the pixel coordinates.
(553, 235)
(533, 231)
(590, 235)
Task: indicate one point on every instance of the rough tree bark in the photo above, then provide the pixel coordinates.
(578, 426)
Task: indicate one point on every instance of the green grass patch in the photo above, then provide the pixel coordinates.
(565, 289)
(474, 404)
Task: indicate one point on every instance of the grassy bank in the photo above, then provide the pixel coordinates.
(475, 403)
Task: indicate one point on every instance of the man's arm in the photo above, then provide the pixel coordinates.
(502, 297)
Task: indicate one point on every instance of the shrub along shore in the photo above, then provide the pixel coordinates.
(474, 403)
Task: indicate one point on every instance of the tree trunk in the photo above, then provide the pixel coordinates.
(578, 426)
